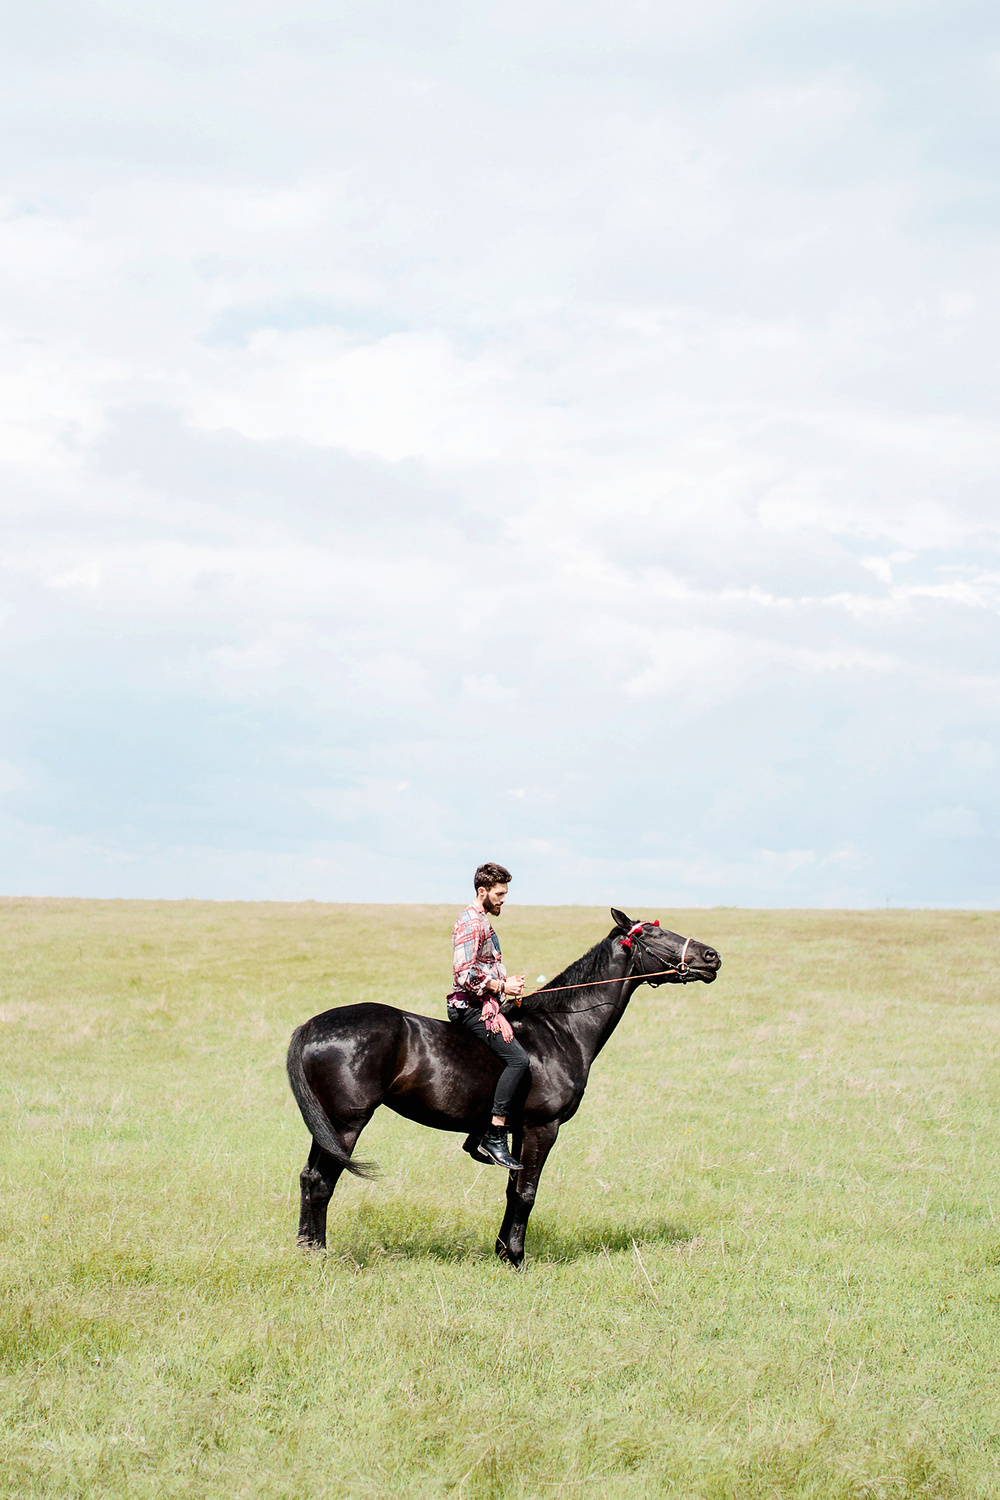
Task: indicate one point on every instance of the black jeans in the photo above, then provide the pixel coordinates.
(511, 1053)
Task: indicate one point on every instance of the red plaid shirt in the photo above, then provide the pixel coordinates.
(477, 952)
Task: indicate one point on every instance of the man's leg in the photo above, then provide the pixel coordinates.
(517, 1063)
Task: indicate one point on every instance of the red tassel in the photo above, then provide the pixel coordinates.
(632, 932)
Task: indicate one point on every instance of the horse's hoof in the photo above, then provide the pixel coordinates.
(305, 1243)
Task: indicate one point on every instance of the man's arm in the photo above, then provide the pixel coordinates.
(474, 972)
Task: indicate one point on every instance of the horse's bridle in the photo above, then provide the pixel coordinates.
(634, 938)
(631, 938)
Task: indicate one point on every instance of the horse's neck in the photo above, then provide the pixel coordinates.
(614, 1014)
(599, 1012)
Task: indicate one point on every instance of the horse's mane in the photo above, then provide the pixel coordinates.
(579, 972)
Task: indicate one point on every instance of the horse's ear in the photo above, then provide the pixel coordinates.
(623, 921)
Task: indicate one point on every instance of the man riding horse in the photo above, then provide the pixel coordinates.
(346, 1063)
(481, 985)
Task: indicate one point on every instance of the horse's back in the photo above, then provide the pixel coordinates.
(420, 1066)
(372, 1030)
(345, 1018)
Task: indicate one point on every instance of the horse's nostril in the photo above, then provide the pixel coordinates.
(711, 955)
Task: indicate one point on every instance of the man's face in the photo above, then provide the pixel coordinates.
(493, 899)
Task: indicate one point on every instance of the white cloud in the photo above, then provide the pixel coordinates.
(951, 823)
(975, 755)
(598, 395)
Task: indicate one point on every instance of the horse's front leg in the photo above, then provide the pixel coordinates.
(531, 1146)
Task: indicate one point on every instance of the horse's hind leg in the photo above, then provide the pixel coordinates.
(522, 1186)
(317, 1181)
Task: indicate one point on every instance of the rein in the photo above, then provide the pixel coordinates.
(633, 937)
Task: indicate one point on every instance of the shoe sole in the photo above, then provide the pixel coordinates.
(515, 1166)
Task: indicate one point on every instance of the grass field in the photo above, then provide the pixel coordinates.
(766, 1260)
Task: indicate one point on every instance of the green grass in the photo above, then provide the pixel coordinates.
(766, 1260)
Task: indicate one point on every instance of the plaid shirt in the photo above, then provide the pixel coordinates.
(477, 953)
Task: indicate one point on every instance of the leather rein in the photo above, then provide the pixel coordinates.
(642, 975)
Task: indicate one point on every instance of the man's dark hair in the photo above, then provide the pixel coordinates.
(490, 875)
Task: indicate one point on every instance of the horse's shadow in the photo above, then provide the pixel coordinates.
(549, 1241)
(395, 1231)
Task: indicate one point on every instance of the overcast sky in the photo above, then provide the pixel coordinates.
(562, 433)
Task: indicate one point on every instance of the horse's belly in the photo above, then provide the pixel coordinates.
(422, 1113)
(458, 1103)
(443, 1081)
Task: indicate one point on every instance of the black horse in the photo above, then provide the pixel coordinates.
(343, 1064)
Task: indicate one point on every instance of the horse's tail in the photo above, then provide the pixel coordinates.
(315, 1115)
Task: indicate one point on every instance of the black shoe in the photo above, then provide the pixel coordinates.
(471, 1144)
(494, 1145)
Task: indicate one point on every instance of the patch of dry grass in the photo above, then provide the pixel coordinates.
(766, 1260)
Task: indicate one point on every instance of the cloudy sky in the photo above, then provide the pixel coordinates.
(555, 432)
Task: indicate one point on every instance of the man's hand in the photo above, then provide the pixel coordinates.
(494, 1021)
(515, 986)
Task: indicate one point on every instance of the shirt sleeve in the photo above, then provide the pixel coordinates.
(474, 959)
